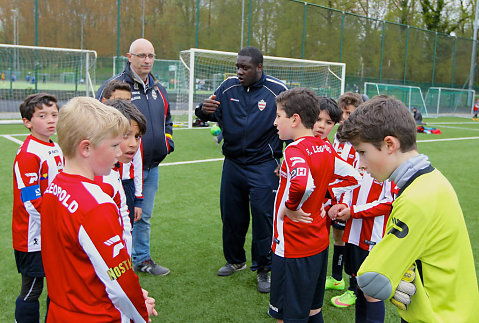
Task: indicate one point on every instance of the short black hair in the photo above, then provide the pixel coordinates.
(114, 85)
(302, 101)
(254, 53)
(331, 107)
(130, 111)
(37, 100)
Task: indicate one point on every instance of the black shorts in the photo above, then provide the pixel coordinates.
(297, 286)
(338, 224)
(29, 263)
(353, 258)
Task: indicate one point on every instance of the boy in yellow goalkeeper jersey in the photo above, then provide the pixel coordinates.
(426, 227)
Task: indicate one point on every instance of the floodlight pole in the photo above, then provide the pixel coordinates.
(474, 47)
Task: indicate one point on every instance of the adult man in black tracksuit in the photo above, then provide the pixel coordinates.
(245, 108)
(150, 97)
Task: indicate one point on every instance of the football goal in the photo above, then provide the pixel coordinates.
(62, 72)
(411, 96)
(202, 71)
(443, 101)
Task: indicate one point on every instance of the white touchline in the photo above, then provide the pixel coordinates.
(13, 139)
(448, 139)
(192, 162)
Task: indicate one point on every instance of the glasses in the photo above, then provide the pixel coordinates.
(143, 56)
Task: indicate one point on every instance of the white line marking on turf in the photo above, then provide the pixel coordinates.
(9, 137)
(192, 162)
(448, 139)
(461, 128)
(13, 139)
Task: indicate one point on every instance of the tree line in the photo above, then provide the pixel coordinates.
(351, 31)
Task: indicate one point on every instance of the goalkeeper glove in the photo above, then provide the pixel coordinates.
(405, 289)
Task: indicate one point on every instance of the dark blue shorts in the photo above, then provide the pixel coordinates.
(353, 258)
(29, 263)
(297, 286)
(338, 224)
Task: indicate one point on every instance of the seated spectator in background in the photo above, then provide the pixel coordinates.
(417, 116)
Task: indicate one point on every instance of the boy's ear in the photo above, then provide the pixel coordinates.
(84, 148)
(27, 123)
(392, 144)
(296, 120)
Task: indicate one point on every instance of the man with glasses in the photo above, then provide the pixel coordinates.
(150, 97)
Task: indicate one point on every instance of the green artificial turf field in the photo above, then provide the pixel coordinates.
(186, 227)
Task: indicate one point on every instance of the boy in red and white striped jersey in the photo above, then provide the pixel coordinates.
(131, 171)
(88, 269)
(347, 102)
(38, 161)
(300, 236)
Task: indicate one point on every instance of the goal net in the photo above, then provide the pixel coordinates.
(62, 72)
(411, 96)
(202, 71)
(443, 101)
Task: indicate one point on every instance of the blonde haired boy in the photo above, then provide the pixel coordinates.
(89, 272)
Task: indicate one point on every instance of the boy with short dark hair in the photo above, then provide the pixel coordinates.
(131, 152)
(88, 269)
(116, 90)
(426, 227)
(300, 236)
(348, 102)
(38, 161)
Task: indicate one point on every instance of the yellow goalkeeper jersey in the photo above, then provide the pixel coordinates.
(427, 227)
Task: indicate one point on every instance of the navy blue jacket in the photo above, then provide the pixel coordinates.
(246, 116)
(153, 103)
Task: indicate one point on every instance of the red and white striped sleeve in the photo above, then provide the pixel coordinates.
(380, 206)
(301, 183)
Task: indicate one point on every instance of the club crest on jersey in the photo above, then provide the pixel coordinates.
(153, 94)
(261, 105)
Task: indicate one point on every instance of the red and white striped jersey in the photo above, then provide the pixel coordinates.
(347, 152)
(370, 208)
(308, 168)
(134, 170)
(88, 269)
(36, 164)
(111, 185)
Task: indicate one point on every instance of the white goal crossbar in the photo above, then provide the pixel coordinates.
(335, 71)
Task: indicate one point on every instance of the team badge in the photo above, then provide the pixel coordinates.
(153, 94)
(261, 105)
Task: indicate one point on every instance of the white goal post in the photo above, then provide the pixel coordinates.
(450, 102)
(411, 96)
(62, 72)
(201, 71)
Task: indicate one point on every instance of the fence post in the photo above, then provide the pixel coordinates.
(117, 37)
(249, 21)
(304, 29)
(405, 55)
(382, 53)
(36, 44)
(434, 59)
(341, 39)
(197, 22)
(453, 62)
